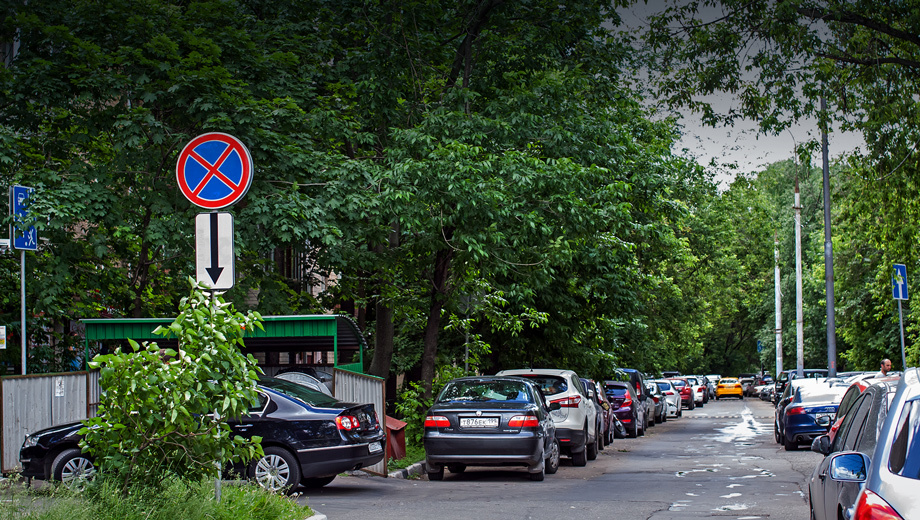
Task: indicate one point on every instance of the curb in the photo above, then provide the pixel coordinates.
(416, 469)
(317, 516)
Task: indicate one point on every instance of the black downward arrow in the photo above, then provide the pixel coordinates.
(215, 270)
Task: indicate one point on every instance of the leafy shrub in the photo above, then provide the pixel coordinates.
(164, 412)
(412, 405)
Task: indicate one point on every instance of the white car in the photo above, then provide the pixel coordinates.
(576, 419)
(700, 392)
(672, 396)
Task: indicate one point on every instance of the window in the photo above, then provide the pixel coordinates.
(905, 449)
(847, 427)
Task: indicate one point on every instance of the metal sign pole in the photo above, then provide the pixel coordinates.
(22, 298)
(901, 323)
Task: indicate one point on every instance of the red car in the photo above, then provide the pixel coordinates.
(686, 392)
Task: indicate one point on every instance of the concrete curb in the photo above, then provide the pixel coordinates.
(317, 516)
(416, 469)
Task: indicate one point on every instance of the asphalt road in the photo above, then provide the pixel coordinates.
(719, 461)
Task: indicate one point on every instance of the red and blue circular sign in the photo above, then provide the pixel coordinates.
(214, 170)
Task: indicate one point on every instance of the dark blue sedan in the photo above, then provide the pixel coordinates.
(812, 402)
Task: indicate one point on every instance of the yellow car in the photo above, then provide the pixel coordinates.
(729, 387)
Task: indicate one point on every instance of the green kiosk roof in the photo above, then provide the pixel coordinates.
(320, 332)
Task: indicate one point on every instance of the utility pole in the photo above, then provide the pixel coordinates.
(828, 258)
(799, 318)
(779, 308)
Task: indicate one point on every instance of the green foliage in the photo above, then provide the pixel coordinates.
(411, 405)
(164, 412)
(102, 500)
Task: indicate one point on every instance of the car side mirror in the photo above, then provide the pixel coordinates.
(554, 406)
(824, 421)
(849, 466)
(821, 444)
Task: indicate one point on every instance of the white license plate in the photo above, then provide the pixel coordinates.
(374, 447)
(479, 422)
(820, 415)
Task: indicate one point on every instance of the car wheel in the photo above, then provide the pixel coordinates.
(741, 397)
(317, 482)
(276, 470)
(72, 468)
(601, 442)
(776, 435)
(551, 464)
(790, 446)
(580, 459)
(538, 476)
(680, 413)
(634, 432)
(456, 468)
(435, 472)
(717, 397)
(591, 448)
(692, 404)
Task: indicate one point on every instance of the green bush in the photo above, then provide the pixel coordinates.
(412, 405)
(157, 413)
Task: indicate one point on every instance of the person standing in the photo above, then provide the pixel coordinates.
(885, 368)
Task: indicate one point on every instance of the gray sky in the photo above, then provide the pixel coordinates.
(741, 144)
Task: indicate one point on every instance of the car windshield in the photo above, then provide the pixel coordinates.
(300, 392)
(485, 391)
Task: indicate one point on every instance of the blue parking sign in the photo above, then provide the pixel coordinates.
(23, 232)
(899, 282)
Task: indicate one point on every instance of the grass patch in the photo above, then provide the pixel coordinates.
(102, 500)
(413, 454)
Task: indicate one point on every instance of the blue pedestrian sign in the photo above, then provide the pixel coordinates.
(23, 232)
(899, 282)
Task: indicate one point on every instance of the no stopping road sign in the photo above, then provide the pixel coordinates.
(214, 170)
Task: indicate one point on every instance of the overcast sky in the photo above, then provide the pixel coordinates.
(742, 144)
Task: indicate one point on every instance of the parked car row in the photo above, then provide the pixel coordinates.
(868, 429)
(532, 417)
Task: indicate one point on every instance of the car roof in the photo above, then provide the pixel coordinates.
(537, 371)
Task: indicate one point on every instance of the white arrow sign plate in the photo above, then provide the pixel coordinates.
(214, 258)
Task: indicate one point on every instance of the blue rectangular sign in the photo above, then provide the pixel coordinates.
(899, 282)
(23, 233)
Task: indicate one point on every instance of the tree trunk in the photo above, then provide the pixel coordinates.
(383, 325)
(438, 297)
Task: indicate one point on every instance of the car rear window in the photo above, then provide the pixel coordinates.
(550, 385)
(485, 391)
(679, 383)
(300, 392)
(905, 450)
(616, 391)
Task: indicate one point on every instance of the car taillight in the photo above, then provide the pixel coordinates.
(655, 399)
(795, 410)
(436, 421)
(669, 393)
(347, 422)
(627, 401)
(523, 421)
(700, 389)
(870, 506)
(569, 402)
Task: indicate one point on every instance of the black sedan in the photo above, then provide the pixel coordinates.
(490, 421)
(307, 438)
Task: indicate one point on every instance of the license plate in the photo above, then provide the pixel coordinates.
(820, 415)
(374, 447)
(479, 422)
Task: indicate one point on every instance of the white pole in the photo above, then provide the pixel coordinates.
(779, 308)
(799, 318)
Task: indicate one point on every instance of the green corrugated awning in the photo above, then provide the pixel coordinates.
(320, 332)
